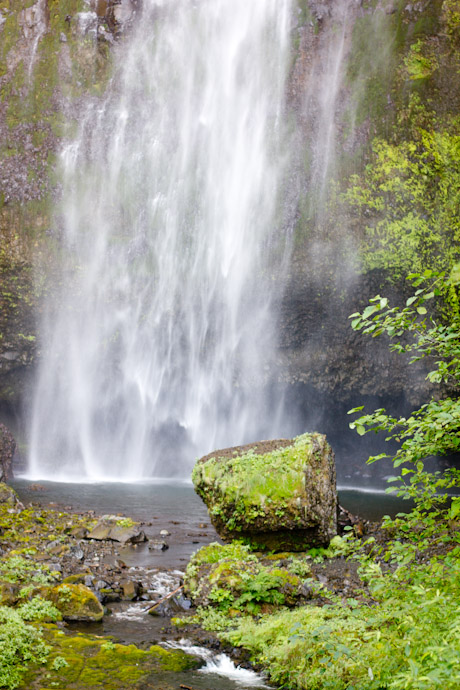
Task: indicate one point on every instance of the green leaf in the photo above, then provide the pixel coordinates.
(421, 310)
(371, 309)
(454, 278)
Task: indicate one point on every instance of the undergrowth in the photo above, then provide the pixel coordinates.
(21, 643)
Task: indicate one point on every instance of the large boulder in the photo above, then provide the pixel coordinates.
(281, 495)
(7, 448)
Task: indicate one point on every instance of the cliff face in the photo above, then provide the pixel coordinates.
(375, 90)
(374, 93)
(53, 56)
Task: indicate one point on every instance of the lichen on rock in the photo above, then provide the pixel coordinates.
(283, 499)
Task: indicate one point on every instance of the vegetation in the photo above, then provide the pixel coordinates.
(22, 644)
(407, 202)
(401, 631)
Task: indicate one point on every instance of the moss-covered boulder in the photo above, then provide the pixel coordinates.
(281, 495)
(76, 602)
(233, 579)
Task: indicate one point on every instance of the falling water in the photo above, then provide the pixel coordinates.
(157, 347)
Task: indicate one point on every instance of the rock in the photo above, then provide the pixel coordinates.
(164, 533)
(76, 602)
(9, 593)
(107, 528)
(279, 494)
(130, 590)
(170, 607)
(7, 448)
(128, 535)
(158, 546)
(75, 579)
(8, 495)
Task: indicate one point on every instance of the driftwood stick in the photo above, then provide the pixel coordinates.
(157, 603)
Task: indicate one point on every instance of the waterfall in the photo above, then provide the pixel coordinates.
(159, 344)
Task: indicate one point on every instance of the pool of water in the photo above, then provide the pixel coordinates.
(168, 502)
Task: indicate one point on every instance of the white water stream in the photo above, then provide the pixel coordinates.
(158, 346)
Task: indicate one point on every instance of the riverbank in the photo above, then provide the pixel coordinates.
(375, 611)
(314, 619)
(51, 560)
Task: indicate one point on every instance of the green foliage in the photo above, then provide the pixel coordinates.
(263, 587)
(418, 64)
(38, 609)
(58, 663)
(125, 522)
(231, 578)
(407, 201)
(17, 569)
(409, 640)
(433, 429)
(20, 645)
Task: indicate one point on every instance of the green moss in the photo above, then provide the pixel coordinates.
(252, 482)
(420, 62)
(269, 498)
(84, 662)
(76, 602)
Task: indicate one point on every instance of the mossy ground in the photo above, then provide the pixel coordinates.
(88, 662)
(33, 539)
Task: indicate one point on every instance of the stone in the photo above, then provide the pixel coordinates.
(76, 602)
(8, 495)
(9, 593)
(281, 495)
(158, 546)
(108, 529)
(130, 589)
(169, 607)
(85, 24)
(7, 449)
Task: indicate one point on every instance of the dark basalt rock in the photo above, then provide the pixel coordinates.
(7, 448)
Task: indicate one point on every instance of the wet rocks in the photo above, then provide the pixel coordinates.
(7, 449)
(281, 494)
(157, 545)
